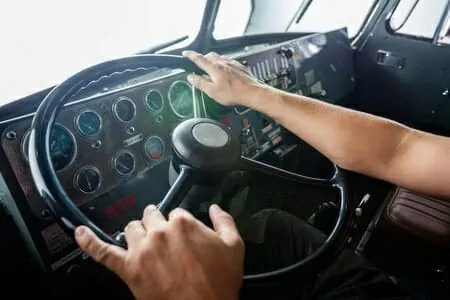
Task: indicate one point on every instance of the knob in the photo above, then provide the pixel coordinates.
(287, 52)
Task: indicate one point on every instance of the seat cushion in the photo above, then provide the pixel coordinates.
(424, 217)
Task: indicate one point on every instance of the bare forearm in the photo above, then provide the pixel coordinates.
(351, 139)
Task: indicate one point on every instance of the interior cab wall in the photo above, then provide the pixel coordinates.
(414, 90)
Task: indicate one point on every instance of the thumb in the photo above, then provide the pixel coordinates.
(110, 256)
(224, 226)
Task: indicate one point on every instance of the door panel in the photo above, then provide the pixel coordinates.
(411, 88)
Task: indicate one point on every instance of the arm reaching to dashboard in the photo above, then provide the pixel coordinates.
(177, 258)
(356, 141)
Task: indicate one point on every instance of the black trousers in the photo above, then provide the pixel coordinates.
(276, 239)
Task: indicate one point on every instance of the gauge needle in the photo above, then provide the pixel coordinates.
(89, 183)
(123, 166)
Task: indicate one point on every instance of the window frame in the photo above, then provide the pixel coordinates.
(442, 34)
(438, 31)
(370, 15)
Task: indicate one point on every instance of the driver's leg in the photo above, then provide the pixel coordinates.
(275, 239)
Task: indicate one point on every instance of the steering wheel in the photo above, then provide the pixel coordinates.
(204, 152)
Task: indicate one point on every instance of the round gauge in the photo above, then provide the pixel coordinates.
(62, 147)
(180, 99)
(154, 100)
(214, 109)
(124, 163)
(124, 109)
(89, 123)
(154, 148)
(87, 180)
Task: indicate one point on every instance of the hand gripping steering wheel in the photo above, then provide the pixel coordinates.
(204, 151)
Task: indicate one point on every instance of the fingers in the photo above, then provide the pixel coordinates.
(201, 61)
(110, 256)
(224, 226)
(179, 213)
(200, 83)
(152, 217)
(134, 233)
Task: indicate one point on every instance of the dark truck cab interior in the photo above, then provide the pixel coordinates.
(114, 133)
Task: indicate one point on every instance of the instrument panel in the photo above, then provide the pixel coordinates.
(100, 142)
(111, 144)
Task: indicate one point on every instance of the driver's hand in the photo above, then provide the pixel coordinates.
(178, 258)
(229, 82)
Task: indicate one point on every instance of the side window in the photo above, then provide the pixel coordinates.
(420, 18)
(325, 15)
(232, 18)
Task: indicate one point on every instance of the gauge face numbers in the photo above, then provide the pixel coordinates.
(124, 109)
(124, 163)
(154, 101)
(89, 123)
(180, 99)
(154, 148)
(62, 147)
(87, 180)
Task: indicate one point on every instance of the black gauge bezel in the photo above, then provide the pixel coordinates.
(170, 99)
(77, 122)
(148, 106)
(116, 114)
(114, 163)
(77, 174)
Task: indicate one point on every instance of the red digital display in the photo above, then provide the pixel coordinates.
(121, 206)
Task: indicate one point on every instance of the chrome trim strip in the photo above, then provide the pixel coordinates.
(175, 73)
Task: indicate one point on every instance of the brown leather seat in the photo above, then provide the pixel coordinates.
(412, 235)
(424, 217)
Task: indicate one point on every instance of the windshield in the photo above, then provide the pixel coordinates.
(275, 16)
(45, 41)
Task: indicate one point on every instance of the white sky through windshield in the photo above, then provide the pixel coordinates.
(45, 41)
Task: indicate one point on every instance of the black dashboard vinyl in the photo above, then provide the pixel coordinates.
(111, 145)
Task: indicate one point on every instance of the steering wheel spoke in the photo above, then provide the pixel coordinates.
(180, 187)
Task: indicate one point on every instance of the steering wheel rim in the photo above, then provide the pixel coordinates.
(70, 216)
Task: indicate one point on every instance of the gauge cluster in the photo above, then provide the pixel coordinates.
(101, 142)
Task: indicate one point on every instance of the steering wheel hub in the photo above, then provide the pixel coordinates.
(206, 145)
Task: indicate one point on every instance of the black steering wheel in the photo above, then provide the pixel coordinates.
(203, 153)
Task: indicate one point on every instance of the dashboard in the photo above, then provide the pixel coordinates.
(111, 145)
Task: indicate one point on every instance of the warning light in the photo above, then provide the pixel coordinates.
(119, 207)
